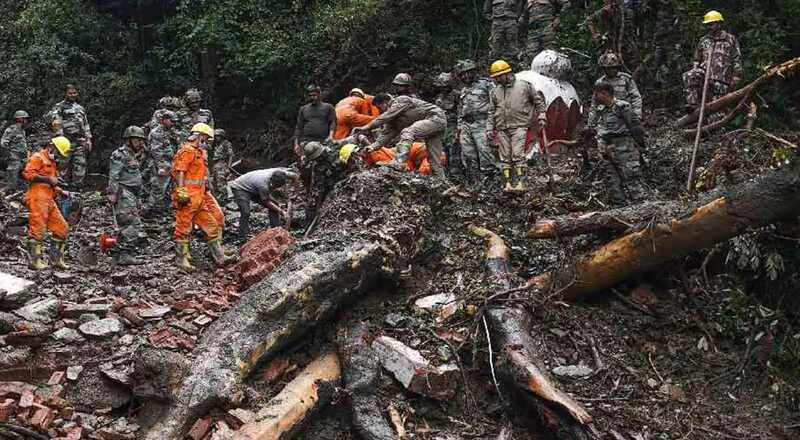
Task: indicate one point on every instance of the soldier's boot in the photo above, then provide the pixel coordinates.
(58, 251)
(218, 254)
(520, 180)
(507, 178)
(35, 259)
(182, 256)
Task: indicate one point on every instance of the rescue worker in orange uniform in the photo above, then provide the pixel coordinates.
(194, 204)
(418, 159)
(351, 112)
(42, 173)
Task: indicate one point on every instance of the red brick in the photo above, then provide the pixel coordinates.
(215, 303)
(56, 378)
(7, 409)
(42, 418)
(200, 428)
(75, 433)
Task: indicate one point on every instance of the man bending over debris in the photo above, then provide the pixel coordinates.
(412, 120)
(194, 204)
(618, 127)
(125, 187)
(324, 171)
(41, 171)
(258, 186)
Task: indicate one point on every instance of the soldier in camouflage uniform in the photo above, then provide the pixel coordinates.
(14, 146)
(69, 119)
(619, 133)
(473, 112)
(221, 170)
(625, 88)
(163, 142)
(447, 100)
(605, 25)
(167, 103)
(722, 49)
(321, 163)
(123, 192)
(540, 18)
(192, 114)
(504, 37)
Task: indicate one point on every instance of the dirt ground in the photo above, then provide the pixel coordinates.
(658, 356)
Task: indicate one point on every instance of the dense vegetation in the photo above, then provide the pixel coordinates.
(253, 57)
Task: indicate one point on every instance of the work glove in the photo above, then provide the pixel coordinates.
(182, 196)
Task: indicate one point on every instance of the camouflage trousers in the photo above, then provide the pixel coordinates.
(75, 171)
(476, 152)
(504, 40)
(693, 82)
(511, 144)
(220, 173)
(16, 162)
(431, 131)
(452, 150)
(621, 170)
(158, 197)
(129, 221)
(541, 31)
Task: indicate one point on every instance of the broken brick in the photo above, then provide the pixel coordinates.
(74, 433)
(239, 417)
(215, 304)
(18, 388)
(413, 371)
(132, 315)
(261, 255)
(200, 428)
(76, 310)
(26, 400)
(202, 320)
(7, 408)
(56, 378)
(42, 418)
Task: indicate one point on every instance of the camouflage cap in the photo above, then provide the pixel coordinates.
(442, 80)
(609, 59)
(193, 95)
(466, 66)
(219, 133)
(21, 114)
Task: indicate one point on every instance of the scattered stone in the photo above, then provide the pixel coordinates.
(413, 371)
(68, 335)
(73, 372)
(119, 278)
(157, 373)
(87, 317)
(187, 327)
(238, 417)
(42, 418)
(27, 398)
(558, 332)
(76, 310)
(395, 319)
(433, 302)
(127, 340)
(18, 291)
(166, 338)
(7, 409)
(156, 312)
(63, 277)
(93, 390)
(674, 392)
(121, 375)
(43, 312)
(132, 315)
(203, 320)
(101, 328)
(573, 371)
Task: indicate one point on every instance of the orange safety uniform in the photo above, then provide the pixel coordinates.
(380, 155)
(418, 159)
(351, 112)
(44, 214)
(369, 108)
(203, 209)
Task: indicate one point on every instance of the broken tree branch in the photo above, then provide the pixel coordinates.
(771, 198)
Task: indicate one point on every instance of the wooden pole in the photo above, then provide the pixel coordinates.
(690, 180)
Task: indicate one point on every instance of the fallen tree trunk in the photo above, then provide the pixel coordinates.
(361, 379)
(314, 280)
(602, 222)
(743, 94)
(518, 361)
(772, 198)
(303, 397)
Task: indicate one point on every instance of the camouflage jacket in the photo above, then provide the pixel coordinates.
(72, 119)
(514, 105)
(125, 170)
(448, 101)
(726, 56)
(403, 112)
(188, 118)
(14, 140)
(223, 151)
(625, 89)
(503, 9)
(474, 101)
(162, 145)
(617, 119)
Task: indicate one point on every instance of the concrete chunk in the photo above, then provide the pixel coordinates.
(43, 312)
(17, 290)
(413, 371)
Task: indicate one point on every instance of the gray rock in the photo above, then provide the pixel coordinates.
(43, 312)
(101, 328)
(156, 312)
(395, 319)
(93, 390)
(18, 291)
(433, 302)
(63, 277)
(74, 371)
(87, 317)
(68, 335)
(573, 371)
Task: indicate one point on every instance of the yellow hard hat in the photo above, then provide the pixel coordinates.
(498, 68)
(712, 17)
(346, 152)
(203, 129)
(62, 144)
